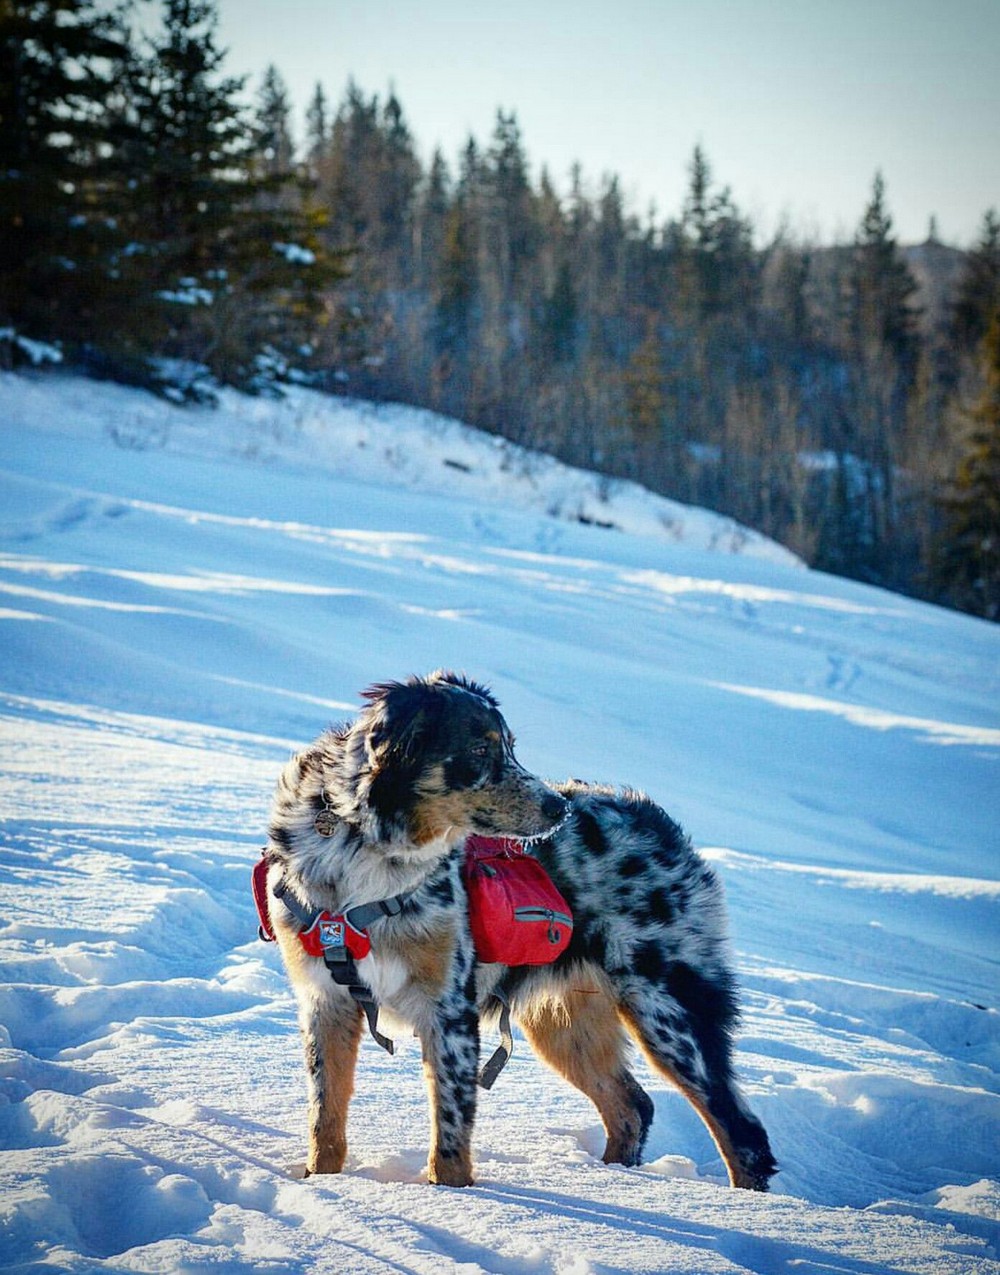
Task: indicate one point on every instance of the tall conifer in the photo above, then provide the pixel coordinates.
(979, 289)
(56, 239)
(965, 565)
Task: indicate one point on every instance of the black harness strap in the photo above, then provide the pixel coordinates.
(501, 1055)
(360, 917)
(292, 902)
(344, 970)
(363, 915)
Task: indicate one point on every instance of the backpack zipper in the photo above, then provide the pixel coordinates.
(545, 914)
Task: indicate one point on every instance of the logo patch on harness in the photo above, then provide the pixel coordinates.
(332, 932)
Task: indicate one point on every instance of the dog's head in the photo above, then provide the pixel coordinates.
(441, 764)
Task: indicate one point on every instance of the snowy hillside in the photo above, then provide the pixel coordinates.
(187, 596)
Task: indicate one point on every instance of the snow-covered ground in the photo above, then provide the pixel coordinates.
(188, 596)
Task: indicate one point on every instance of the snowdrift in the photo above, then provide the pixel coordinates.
(186, 596)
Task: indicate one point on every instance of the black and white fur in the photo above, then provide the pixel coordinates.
(426, 763)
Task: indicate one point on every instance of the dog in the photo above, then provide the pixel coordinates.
(379, 810)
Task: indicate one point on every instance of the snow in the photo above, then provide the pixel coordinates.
(186, 596)
(295, 254)
(37, 352)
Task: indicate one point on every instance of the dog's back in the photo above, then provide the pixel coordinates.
(638, 889)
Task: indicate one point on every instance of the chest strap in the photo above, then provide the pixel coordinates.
(358, 918)
(343, 970)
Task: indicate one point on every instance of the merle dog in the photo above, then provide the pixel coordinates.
(380, 810)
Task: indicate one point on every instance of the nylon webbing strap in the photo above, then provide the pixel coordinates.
(363, 996)
(360, 917)
(363, 915)
(502, 1054)
(292, 902)
(344, 971)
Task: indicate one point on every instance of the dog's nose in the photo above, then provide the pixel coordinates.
(553, 806)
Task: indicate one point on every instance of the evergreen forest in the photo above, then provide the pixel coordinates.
(163, 223)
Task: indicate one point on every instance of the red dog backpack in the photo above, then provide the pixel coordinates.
(516, 914)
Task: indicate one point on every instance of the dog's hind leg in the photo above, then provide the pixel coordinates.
(578, 1034)
(683, 1025)
(331, 1031)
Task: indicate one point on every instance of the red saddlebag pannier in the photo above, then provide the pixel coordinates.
(516, 914)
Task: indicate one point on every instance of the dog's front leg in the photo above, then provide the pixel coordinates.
(331, 1031)
(451, 1064)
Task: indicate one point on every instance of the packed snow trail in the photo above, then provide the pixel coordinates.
(187, 597)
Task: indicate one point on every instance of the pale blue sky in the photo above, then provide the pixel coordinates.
(796, 102)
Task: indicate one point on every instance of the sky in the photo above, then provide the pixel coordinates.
(797, 103)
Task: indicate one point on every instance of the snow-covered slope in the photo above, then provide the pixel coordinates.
(382, 444)
(189, 596)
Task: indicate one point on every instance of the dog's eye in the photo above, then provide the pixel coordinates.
(480, 750)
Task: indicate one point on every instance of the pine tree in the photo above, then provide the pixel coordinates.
(609, 243)
(273, 142)
(317, 123)
(371, 189)
(881, 313)
(458, 279)
(979, 290)
(57, 238)
(512, 218)
(230, 252)
(398, 178)
(199, 144)
(717, 273)
(883, 348)
(432, 213)
(355, 147)
(965, 563)
(697, 217)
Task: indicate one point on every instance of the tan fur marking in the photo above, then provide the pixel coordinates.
(456, 1171)
(427, 959)
(730, 1159)
(297, 962)
(435, 815)
(338, 1044)
(430, 962)
(580, 1037)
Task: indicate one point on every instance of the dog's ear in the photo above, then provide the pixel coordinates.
(397, 716)
(398, 719)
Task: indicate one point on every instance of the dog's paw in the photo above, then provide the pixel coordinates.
(324, 1162)
(445, 1170)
